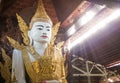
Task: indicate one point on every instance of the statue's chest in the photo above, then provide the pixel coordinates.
(45, 65)
(33, 58)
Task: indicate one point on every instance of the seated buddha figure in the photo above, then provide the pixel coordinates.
(40, 61)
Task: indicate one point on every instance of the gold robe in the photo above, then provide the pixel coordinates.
(48, 67)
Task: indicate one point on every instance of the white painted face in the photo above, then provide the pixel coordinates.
(41, 32)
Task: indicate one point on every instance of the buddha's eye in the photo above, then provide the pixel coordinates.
(40, 29)
(48, 29)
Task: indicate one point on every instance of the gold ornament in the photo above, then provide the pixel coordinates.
(40, 14)
(54, 32)
(5, 68)
(15, 44)
(24, 29)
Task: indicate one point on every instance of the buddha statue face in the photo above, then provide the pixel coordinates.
(41, 32)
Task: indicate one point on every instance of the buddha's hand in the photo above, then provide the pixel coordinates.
(51, 81)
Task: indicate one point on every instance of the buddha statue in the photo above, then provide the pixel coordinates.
(38, 60)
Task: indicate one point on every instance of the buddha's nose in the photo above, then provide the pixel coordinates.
(44, 34)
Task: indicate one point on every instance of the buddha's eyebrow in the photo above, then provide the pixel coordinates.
(39, 26)
(47, 26)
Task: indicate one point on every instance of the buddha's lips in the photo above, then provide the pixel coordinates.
(44, 36)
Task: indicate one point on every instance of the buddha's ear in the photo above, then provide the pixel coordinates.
(29, 35)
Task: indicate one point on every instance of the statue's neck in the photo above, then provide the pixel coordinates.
(40, 47)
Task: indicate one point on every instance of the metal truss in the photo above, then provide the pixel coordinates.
(89, 69)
